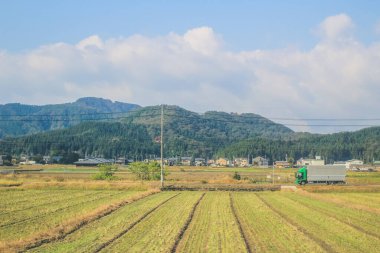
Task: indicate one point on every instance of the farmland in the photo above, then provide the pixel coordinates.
(141, 220)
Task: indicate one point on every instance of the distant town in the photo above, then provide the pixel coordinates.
(242, 162)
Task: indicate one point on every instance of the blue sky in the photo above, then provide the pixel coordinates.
(281, 59)
(244, 25)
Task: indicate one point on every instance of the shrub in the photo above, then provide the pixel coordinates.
(236, 176)
(146, 171)
(106, 172)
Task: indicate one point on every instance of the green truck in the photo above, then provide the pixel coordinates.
(317, 174)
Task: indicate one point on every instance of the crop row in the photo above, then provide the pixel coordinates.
(39, 202)
(328, 226)
(21, 224)
(218, 222)
(370, 200)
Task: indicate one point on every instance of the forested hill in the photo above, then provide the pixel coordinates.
(363, 144)
(185, 133)
(18, 119)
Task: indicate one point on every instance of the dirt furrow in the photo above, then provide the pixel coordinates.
(320, 242)
(106, 244)
(248, 247)
(184, 228)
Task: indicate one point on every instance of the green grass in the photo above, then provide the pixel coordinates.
(39, 214)
(213, 228)
(337, 235)
(368, 199)
(90, 237)
(158, 231)
(366, 221)
(266, 230)
(270, 221)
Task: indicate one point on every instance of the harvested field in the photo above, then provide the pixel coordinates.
(62, 220)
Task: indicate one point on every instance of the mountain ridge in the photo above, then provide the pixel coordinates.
(18, 119)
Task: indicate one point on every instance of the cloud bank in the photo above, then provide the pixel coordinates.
(338, 78)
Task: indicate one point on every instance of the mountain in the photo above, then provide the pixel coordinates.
(18, 119)
(212, 134)
(185, 133)
(363, 144)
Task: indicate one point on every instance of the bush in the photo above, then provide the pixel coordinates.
(106, 172)
(236, 176)
(146, 171)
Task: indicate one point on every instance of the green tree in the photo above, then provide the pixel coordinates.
(146, 171)
(106, 172)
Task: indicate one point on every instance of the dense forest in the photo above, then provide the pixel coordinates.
(18, 119)
(208, 135)
(363, 144)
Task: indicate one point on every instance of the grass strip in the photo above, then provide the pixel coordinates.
(213, 228)
(48, 202)
(35, 217)
(69, 227)
(104, 245)
(248, 247)
(346, 218)
(184, 228)
(338, 235)
(327, 197)
(320, 242)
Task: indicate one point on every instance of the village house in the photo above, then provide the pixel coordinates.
(210, 162)
(47, 159)
(353, 164)
(200, 162)
(281, 164)
(170, 161)
(222, 162)
(93, 161)
(241, 162)
(186, 161)
(260, 162)
(304, 162)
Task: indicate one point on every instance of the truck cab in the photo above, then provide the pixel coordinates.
(301, 176)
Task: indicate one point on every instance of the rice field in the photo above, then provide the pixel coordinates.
(52, 220)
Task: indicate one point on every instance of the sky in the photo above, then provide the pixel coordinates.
(291, 61)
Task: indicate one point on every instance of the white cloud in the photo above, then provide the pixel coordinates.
(203, 40)
(195, 71)
(336, 27)
(94, 42)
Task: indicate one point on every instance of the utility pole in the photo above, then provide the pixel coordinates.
(162, 145)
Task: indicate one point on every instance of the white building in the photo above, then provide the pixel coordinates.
(350, 164)
(260, 162)
(316, 161)
(241, 162)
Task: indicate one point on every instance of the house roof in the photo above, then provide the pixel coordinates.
(94, 161)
